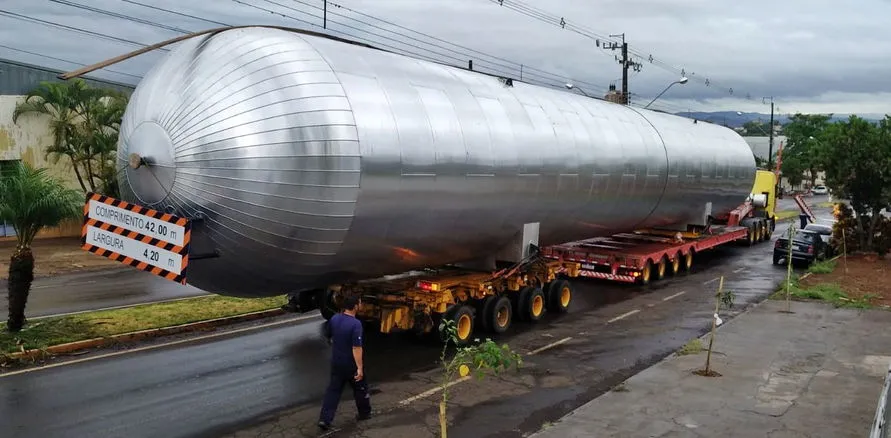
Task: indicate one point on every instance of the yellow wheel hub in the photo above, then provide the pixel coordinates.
(537, 305)
(464, 326)
(565, 296)
(675, 265)
(661, 268)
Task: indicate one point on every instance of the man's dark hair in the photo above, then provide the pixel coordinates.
(350, 302)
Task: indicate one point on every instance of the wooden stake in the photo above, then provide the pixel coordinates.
(845, 250)
(789, 271)
(711, 340)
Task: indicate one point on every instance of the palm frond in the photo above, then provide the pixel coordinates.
(31, 199)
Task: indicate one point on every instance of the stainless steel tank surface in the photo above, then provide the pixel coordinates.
(315, 161)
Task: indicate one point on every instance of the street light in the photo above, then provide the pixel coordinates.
(570, 87)
(681, 81)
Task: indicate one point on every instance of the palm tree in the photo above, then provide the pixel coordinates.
(30, 200)
(59, 101)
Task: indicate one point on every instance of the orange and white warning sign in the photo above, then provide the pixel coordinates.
(137, 236)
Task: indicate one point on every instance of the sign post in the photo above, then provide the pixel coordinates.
(146, 239)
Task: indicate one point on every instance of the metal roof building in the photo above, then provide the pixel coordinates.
(17, 78)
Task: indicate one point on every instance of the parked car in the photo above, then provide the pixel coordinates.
(820, 190)
(825, 232)
(807, 247)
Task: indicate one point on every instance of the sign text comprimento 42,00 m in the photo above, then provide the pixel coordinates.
(128, 220)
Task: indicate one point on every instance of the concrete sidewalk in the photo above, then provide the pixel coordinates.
(815, 373)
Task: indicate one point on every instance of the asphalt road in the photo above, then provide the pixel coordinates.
(97, 290)
(227, 384)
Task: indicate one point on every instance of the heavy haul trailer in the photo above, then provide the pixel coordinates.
(304, 162)
(647, 255)
(540, 282)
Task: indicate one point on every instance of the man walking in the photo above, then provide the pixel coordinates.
(345, 334)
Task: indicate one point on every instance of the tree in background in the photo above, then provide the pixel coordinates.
(85, 123)
(804, 149)
(31, 200)
(757, 128)
(793, 169)
(857, 161)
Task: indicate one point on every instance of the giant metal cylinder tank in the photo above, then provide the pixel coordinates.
(313, 161)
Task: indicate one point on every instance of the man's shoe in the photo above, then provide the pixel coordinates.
(362, 417)
(323, 425)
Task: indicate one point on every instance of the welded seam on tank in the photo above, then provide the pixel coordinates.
(181, 74)
(187, 128)
(667, 168)
(274, 196)
(183, 127)
(359, 138)
(264, 207)
(289, 224)
(253, 256)
(284, 129)
(187, 108)
(221, 52)
(343, 186)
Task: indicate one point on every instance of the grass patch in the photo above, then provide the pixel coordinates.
(692, 347)
(786, 214)
(828, 292)
(53, 331)
(822, 267)
(825, 204)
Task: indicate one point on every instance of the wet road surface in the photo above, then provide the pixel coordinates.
(275, 378)
(98, 290)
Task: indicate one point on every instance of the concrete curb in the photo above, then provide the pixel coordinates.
(144, 334)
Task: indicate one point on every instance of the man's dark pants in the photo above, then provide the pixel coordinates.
(339, 376)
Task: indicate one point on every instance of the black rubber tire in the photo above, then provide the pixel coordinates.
(326, 304)
(687, 265)
(674, 267)
(661, 268)
(484, 310)
(555, 296)
(499, 303)
(519, 300)
(646, 274)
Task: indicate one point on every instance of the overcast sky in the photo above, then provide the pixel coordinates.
(811, 55)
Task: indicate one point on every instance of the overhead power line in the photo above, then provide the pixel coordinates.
(541, 15)
(500, 66)
(71, 28)
(66, 60)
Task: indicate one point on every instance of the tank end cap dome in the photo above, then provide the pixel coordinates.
(151, 168)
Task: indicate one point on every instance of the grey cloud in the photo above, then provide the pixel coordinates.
(794, 50)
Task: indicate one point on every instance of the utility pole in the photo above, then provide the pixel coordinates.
(626, 63)
(770, 132)
(325, 14)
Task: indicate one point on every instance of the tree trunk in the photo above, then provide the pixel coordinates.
(873, 227)
(861, 231)
(77, 174)
(21, 274)
(90, 176)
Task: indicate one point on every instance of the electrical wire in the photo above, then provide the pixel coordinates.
(72, 29)
(513, 67)
(67, 60)
(117, 15)
(538, 14)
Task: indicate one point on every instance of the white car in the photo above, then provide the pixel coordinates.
(820, 190)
